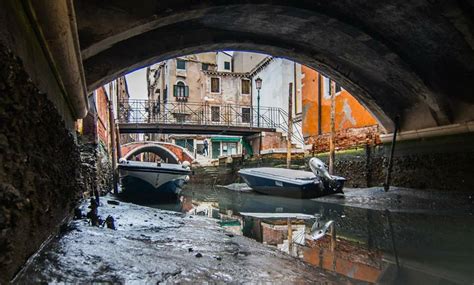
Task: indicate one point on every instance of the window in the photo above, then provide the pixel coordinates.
(326, 88)
(245, 86)
(205, 66)
(215, 113)
(227, 65)
(245, 115)
(181, 64)
(229, 148)
(215, 85)
(181, 91)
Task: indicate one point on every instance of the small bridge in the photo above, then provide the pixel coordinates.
(149, 116)
(167, 151)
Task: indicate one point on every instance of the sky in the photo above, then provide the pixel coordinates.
(137, 86)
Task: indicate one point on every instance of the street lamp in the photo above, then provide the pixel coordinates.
(258, 85)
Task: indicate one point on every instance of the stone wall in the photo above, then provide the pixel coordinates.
(96, 169)
(443, 163)
(38, 170)
(346, 138)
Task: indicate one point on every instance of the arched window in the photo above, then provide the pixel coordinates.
(181, 91)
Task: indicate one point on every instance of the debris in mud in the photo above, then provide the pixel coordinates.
(109, 221)
(92, 215)
(85, 254)
(78, 214)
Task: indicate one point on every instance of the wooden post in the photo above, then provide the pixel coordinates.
(386, 185)
(117, 140)
(320, 78)
(333, 237)
(332, 153)
(290, 237)
(290, 126)
(112, 139)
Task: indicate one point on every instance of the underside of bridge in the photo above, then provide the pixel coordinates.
(414, 59)
(162, 152)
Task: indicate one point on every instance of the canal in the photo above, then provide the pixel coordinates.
(431, 234)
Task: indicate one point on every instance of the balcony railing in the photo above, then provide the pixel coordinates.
(205, 114)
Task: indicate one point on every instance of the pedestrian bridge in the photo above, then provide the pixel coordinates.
(150, 116)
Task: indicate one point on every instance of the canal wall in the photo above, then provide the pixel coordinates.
(40, 164)
(443, 163)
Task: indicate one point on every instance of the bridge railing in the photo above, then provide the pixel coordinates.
(198, 113)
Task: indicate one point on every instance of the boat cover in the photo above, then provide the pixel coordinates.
(281, 172)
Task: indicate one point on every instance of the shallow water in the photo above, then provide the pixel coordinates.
(433, 236)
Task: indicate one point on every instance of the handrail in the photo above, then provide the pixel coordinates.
(205, 114)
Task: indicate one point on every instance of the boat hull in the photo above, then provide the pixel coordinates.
(147, 181)
(288, 187)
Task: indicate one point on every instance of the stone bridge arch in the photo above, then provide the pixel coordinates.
(409, 58)
(169, 151)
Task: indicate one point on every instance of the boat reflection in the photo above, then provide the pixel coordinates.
(430, 246)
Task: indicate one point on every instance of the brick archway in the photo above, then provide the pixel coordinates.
(180, 153)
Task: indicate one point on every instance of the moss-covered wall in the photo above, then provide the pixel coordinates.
(39, 167)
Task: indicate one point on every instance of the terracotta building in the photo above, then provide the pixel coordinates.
(353, 123)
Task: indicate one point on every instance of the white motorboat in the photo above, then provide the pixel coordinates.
(153, 178)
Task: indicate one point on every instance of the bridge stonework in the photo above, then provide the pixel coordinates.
(181, 153)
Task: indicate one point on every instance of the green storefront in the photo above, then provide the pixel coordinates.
(224, 146)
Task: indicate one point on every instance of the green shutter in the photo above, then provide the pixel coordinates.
(186, 91)
(175, 91)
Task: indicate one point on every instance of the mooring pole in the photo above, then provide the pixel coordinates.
(386, 185)
(117, 140)
(332, 147)
(290, 126)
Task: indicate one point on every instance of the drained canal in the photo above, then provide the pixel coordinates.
(431, 236)
(214, 234)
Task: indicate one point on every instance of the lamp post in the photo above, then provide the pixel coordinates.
(258, 85)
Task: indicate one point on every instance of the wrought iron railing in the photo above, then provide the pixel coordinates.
(205, 114)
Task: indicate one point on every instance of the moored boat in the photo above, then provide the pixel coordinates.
(293, 183)
(152, 179)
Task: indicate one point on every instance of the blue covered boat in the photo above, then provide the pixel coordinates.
(293, 183)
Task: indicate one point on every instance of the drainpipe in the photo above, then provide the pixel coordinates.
(55, 25)
(112, 140)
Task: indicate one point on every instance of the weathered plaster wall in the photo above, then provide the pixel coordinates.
(38, 170)
(349, 112)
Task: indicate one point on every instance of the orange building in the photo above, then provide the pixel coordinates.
(353, 123)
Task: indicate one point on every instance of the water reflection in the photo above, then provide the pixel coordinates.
(430, 246)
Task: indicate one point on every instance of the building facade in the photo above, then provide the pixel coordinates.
(211, 92)
(280, 79)
(354, 124)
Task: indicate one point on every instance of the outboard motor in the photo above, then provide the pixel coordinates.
(330, 182)
(319, 168)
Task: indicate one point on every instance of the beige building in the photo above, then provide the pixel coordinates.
(207, 84)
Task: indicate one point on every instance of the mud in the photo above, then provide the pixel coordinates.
(154, 246)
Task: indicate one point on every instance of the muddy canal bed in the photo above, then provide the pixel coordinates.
(153, 246)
